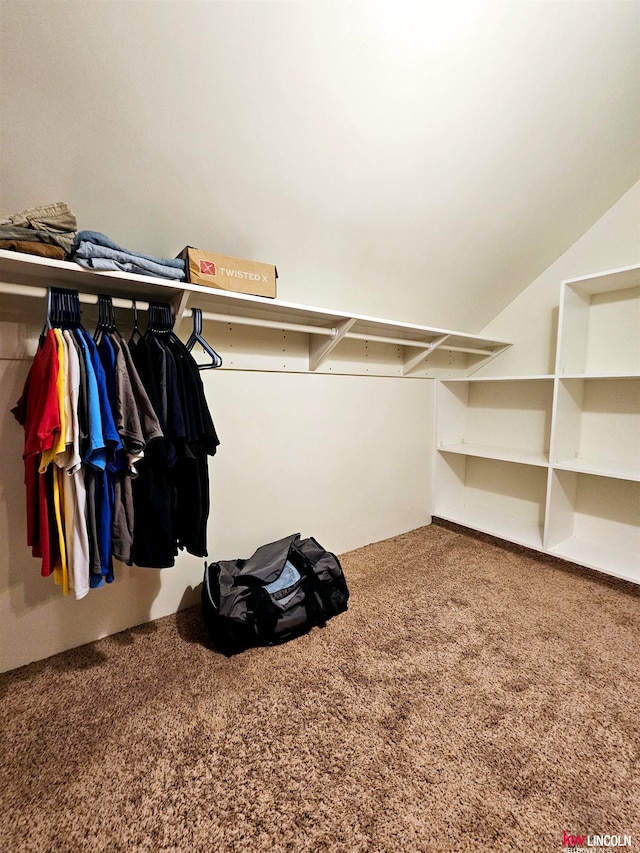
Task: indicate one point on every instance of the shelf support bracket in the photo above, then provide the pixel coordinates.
(179, 306)
(417, 359)
(319, 349)
(490, 356)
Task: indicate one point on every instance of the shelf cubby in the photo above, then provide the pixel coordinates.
(594, 521)
(597, 428)
(599, 322)
(501, 498)
(502, 419)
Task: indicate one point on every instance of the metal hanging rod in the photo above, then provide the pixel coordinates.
(327, 331)
(401, 342)
(266, 324)
(426, 345)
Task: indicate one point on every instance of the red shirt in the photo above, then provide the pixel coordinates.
(37, 411)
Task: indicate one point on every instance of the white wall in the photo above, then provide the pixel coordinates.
(422, 161)
(343, 458)
(531, 320)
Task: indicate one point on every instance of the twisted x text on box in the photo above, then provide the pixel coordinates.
(209, 268)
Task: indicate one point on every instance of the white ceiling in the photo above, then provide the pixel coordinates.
(421, 161)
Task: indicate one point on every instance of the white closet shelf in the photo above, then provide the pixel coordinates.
(608, 281)
(22, 275)
(630, 375)
(599, 555)
(619, 470)
(499, 378)
(505, 454)
(494, 523)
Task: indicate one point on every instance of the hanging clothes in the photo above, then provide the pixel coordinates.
(173, 381)
(117, 436)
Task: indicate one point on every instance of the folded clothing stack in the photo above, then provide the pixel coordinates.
(47, 230)
(96, 251)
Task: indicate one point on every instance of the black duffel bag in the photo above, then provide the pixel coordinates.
(282, 591)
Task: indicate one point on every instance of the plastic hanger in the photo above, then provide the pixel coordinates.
(63, 310)
(136, 329)
(160, 319)
(197, 337)
(106, 317)
(47, 320)
(72, 315)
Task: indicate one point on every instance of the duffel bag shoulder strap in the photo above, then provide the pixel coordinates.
(262, 612)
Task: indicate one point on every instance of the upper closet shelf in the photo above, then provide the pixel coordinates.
(335, 341)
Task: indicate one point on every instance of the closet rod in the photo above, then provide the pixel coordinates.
(473, 350)
(379, 339)
(404, 342)
(266, 324)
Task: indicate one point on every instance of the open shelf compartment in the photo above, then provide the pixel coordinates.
(595, 521)
(599, 322)
(505, 419)
(501, 498)
(598, 426)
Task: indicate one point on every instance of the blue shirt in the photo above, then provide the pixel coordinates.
(96, 452)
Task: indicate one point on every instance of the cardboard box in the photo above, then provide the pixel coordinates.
(226, 273)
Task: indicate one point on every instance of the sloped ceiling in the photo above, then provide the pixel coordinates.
(423, 162)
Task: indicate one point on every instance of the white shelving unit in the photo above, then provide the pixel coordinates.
(492, 437)
(553, 462)
(255, 333)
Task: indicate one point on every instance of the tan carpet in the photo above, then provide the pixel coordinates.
(475, 697)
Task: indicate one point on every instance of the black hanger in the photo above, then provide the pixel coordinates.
(47, 319)
(73, 318)
(197, 338)
(56, 307)
(151, 319)
(63, 310)
(160, 319)
(106, 317)
(167, 319)
(136, 329)
(97, 335)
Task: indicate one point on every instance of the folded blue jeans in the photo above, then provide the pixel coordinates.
(102, 240)
(99, 257)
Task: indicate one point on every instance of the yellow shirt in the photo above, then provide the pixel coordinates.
(59, 438)
(60, 569)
